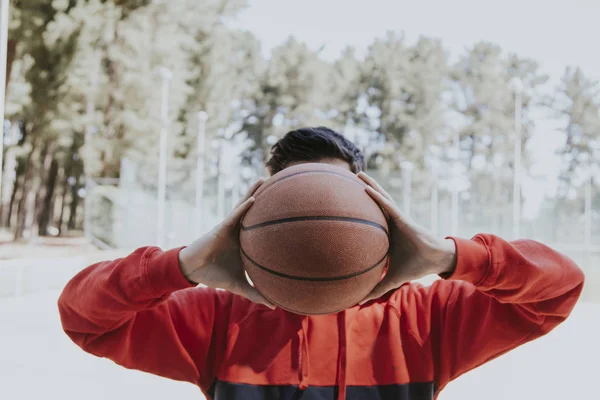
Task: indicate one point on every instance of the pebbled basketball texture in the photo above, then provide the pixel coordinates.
(314, 242)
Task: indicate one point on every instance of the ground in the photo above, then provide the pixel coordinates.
(43, 247)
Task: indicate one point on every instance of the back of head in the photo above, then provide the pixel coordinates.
(313, 145)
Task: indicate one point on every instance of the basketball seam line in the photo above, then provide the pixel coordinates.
(358, 182)
(313, 218)
(315, 279)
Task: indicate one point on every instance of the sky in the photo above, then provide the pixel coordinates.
(557, 33)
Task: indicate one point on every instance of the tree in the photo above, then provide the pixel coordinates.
(46, 37)
(290, 93)
(404, 85)
(578, 103)
(344, 90)
(52, 45)
(224, 64)
(484, 105)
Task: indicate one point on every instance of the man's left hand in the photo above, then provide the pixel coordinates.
(415, 252)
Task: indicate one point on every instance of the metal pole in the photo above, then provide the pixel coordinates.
(89, 130)
(236, 190)
(220, 182)
(407, 168)
(3, 77)
(434, 203)
(588, 219)
(518, 88)
(165, 76)
(200, 154)
(455, 203)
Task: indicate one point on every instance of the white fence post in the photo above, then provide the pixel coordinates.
(455, 189)
(221, 181)
(588, 219)
(200, 153)
(407, 169)
(517, 85)
(165, 75)
(435, 204)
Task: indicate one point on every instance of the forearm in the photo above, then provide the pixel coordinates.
(105, 295)
(500, 296)
(523, 272)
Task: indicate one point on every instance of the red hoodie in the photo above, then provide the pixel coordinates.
(143, 314)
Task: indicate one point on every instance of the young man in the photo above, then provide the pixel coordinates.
(405, 341)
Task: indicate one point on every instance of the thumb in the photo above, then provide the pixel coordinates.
(379, 290)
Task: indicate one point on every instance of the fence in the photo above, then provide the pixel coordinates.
(125, 214)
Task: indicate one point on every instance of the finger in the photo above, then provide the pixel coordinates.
(401, 221)
(250, 192)
(382, 288)
(236, 215)
(388, 205)
(374, 184)
(244, 289)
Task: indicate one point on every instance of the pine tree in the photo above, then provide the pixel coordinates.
(344, 90)
(290, 93)
(484, 105)
(403, 85)
(50, 38)
(578, 103)
(49, 114)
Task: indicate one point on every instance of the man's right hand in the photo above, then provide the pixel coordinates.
(214, 259)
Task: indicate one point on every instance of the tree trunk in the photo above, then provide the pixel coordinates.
(65, 194)
(41, 186)
(72, 224)
(11, 53)
(58, 199)
(63, 207)
(12, 204)
(47, 209)
(27, 196)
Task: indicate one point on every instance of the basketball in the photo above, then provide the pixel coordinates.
(314, 241)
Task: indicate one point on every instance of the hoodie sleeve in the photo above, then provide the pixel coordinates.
(500, 296)
(143, 314)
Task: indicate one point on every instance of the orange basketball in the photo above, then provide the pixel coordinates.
(314, 241)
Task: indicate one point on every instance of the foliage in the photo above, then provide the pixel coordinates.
(85, 92)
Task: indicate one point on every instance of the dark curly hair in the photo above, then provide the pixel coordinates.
(314, 144)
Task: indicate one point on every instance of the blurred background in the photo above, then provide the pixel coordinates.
(141, 122)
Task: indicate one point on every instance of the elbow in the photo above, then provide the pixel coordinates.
(576, 280)
(555, 311)
(71, 322)
(67, 317)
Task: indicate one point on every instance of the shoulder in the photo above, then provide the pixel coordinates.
(428, 293)
(222, 302)
(419, 304)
